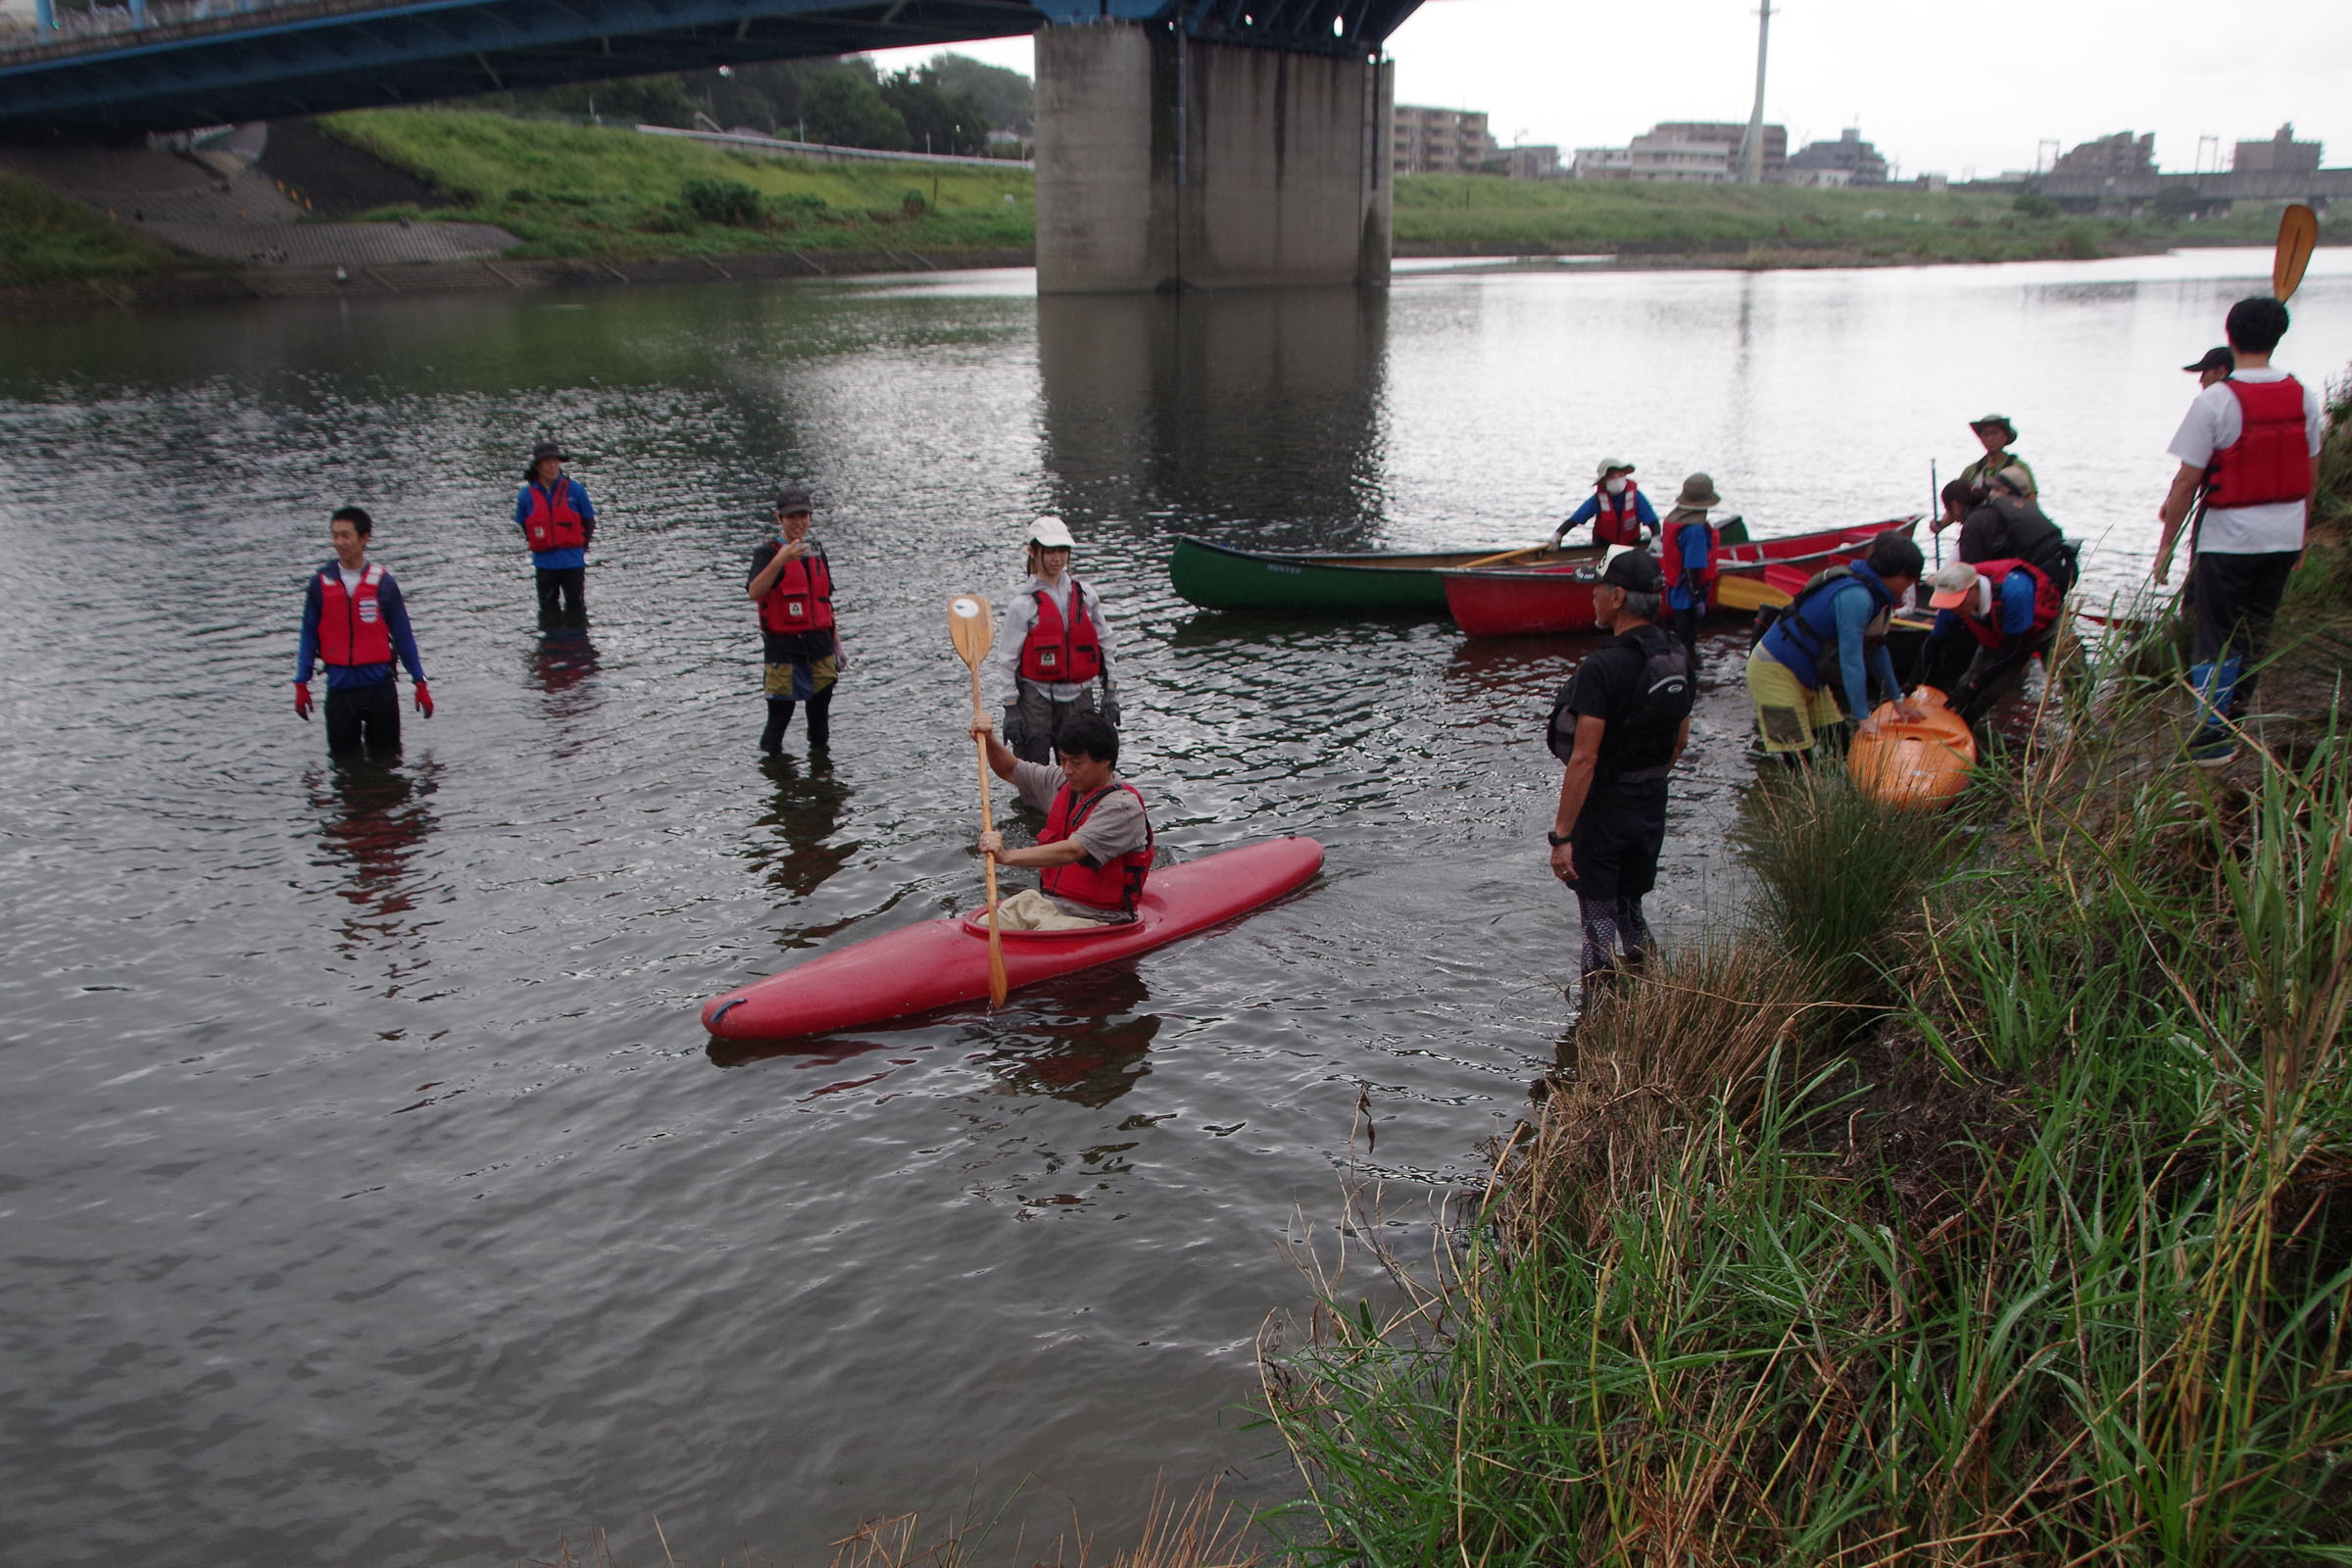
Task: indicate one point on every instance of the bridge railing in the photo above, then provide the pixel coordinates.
(54, 23)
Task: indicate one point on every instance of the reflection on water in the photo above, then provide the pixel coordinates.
(792, 841)
(1258, 409)
(375, 817)
(1088, 1041)
(312, 1263)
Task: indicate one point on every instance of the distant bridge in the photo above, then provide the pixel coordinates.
(175, 65)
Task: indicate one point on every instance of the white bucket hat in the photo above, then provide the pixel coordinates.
(1051, 533)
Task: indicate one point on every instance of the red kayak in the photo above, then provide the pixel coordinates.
(943, 963)
(1559, 599)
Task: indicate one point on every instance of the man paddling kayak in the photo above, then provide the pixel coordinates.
(1094, 851)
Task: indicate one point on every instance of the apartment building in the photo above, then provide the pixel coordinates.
(1440, 141)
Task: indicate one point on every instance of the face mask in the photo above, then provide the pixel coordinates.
(1615, 487)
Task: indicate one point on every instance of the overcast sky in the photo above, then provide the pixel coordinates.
(1938, 86)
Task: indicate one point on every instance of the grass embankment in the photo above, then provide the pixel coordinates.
(1986, 1199)
(1780, 225)
(46, 240)
(611, 191)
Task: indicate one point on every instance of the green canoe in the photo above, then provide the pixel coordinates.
(1218, 576)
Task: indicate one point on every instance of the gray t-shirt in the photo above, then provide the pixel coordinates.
(1114, 827)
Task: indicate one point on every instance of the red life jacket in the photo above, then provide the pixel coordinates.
(1115, 885)
(552, 523)
(1056, 651)
(351, 625)
(2271, 459)
(802, 598)
(1672, 559)
(1618, 521)
(2047, 601)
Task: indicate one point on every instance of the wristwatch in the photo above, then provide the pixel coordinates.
(1555, 839)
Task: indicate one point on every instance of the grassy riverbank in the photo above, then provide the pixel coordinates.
(1778, 226)
(1986, 1197)
(46, 240)
(609, 191)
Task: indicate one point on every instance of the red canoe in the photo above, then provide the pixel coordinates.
(943, 963)
(1559, 599)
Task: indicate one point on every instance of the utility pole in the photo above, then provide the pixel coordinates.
(1751, 146)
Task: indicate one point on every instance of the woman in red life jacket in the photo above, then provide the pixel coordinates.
(355, 622)
(558, 521)
(1617, 509)
(1055, 645)
(1094, 854)
(791, 584)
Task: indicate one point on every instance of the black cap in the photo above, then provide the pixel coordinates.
(1636, 571)
(2220, 358)
(791, 499)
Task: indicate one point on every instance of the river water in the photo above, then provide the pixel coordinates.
(368, 1193)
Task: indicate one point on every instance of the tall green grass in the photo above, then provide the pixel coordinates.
(44, 238)
(608, 190)
(2055, 1266)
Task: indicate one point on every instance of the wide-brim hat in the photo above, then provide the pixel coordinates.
(1049, 532)
(1609, 465)
(546, 450)
(1952, 585)
(2008, 430)
(1698, 491)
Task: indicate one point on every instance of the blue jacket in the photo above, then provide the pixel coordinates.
(1691, 538)
(557, 559)
(1643, 513)
(396, 621)
(1835, 621)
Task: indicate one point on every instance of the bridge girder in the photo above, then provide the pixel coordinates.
(325, 55)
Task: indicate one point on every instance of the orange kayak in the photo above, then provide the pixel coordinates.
(1905, 762)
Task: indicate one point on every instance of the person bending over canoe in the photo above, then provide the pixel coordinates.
(1094, 851)
(2009, 609)
(1617, 509)
(1831, 637)
(1055, 645)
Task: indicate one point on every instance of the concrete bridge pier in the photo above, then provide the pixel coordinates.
(1166, 162)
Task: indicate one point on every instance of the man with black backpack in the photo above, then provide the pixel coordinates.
(1620, 724)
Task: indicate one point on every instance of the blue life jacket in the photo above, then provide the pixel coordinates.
(1806, 635)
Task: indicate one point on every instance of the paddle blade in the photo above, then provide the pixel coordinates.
(998, 986)
(973, 624)
(2298, 234)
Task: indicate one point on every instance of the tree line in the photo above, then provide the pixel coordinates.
(947, 105)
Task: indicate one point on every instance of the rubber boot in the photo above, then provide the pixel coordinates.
(779, 715)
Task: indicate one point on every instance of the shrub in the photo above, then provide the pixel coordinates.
(722, 201)
(2034, 204)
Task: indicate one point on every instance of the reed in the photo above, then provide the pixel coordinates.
(2054, 1266)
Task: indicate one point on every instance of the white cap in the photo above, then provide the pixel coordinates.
(1050, 532)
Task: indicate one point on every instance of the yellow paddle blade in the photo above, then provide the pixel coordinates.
(2298, 234)
(974, 625)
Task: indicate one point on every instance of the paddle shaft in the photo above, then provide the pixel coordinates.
(988, 814)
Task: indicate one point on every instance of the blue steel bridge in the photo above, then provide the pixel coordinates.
(175, 65)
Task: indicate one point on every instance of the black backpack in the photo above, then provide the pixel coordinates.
(1669, 691)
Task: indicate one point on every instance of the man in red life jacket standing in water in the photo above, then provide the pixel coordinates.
(791, 584)
(1094, 852)
(355, 622)
(557, 521)
(2251, 446)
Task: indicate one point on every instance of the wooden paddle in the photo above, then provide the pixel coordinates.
(1507, 555)
(2298, 233)
(973, 624)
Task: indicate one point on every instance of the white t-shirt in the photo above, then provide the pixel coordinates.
(2214, 421)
